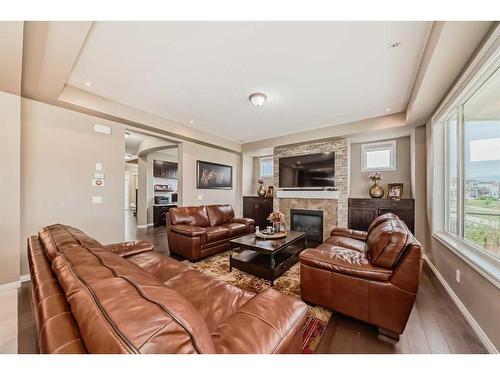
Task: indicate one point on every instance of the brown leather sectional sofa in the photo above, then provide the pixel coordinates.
(127, 298)
(372, 276)
(198, 232)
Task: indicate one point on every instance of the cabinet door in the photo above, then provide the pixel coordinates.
(361, 218)
(157, 168)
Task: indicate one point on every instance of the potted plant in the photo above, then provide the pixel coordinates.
(277, 218)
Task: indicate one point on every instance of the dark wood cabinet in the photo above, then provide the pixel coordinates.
(160, 214)
(362, 211)
(259, 209)
(164, 169)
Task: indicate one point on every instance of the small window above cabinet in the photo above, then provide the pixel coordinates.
(165, 169)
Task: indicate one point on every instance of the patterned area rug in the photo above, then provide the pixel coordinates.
(288, 283)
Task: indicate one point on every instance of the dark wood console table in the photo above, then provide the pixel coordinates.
(362, 211)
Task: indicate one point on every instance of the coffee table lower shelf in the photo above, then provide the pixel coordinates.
(264, 265)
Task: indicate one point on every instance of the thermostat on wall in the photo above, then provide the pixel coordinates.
(104, 129)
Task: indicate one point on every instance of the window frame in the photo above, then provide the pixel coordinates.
(264, 159)
(367, 147)
(478, 258)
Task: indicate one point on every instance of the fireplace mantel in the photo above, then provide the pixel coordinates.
(307, 194)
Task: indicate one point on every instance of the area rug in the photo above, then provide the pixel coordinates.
(288, 283)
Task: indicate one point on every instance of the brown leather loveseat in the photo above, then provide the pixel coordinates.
(198, 232)
(128, 298)
(372, 276)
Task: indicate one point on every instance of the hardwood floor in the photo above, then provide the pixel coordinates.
(435, 325)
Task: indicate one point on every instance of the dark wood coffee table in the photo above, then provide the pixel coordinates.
(267, 259)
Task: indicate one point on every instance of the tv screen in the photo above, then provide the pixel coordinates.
(313, 170)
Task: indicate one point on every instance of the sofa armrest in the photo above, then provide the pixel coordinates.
(189, 230)
(271, 322)
(351, 233)
(250, 223)
(125, 249)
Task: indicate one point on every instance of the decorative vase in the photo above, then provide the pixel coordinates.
(261, 191)
(376, 190)
(270, 191)
(277, 227)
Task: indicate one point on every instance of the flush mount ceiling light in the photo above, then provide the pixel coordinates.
(257, 99)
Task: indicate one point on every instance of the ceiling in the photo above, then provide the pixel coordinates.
(314, 74)
(134, 140)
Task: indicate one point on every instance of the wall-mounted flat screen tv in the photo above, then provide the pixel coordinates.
(304, 171)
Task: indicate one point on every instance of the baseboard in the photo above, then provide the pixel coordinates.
(12, 285)
(25, 278)
(146, 225)
(467, 315)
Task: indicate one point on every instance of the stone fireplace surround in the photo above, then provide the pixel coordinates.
(334, 210)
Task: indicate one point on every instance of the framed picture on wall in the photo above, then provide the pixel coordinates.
(213, 176)
(395, 190)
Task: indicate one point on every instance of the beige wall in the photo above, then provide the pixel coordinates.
(59, 152)
(190, 152)
(360, 183)
(10, 155)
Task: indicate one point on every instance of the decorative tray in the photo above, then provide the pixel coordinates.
(266, 236)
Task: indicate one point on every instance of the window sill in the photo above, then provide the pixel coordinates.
(482, 263)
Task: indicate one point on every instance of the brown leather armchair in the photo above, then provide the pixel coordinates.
(372, 276)
(198, 232)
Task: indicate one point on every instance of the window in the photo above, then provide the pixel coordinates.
(466, 153)
(481, 128)
(377, 157)
(266, 167)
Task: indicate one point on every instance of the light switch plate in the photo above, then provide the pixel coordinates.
(96, 200)
(98, 166)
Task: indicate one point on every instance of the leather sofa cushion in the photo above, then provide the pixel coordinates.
(351, 233)
(341, 260)
(188, 230)
(224, 298)
(235, 229)
(347, 242)
(216, 233)
(220, 214)
(159, 265)
(387, 242)
(125, 249)
(194, 216)
(380, 219)
(259, 327)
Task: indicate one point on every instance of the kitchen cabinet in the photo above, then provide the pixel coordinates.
(165, 169)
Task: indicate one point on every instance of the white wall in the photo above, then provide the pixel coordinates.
(10, 206)
(190, 152)
(59, 152)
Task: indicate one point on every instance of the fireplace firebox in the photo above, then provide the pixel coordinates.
(308, 221)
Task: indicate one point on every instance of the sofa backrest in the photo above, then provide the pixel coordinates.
(194, 216)
(118, 306)
(380, 219)
(387, 243)
(219, 214)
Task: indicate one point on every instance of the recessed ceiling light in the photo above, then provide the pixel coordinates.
(88, 84)
(127, 134)
(257, 99)
(395, 44)
(387, 109)
(191, 122)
